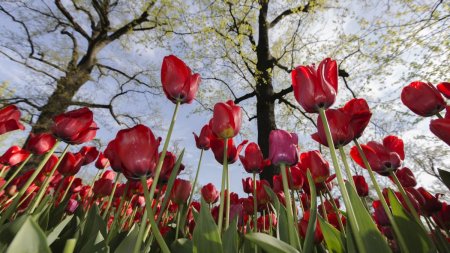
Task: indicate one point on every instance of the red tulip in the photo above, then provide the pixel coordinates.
(340, 127)
(406, 177)
(266, 222)
(218, 145)
(89, 153)
(432, 203)
(102, 162)
(283, 147)
(361, 185)
(135, 150)
(210, 193)
(422, 98)
(253, 161)
(316, 164)
(277, 183)
(382, 158)
(247, 203)
(9, 119)
(13, 156)
(247, 185)
(380, 215)
(441, 127)
(444, 89)
(168, 166)
(109, 174)
(303, 227)
(75, 127)
(360, 114)
(178, 82)
(49, 165)
(180, 191)
(227, 120)
(203, 140)
(103, 187)
(333, 220)
(296, 178)
(71, 164)
(40, 143)
(261, 195)
(442, 218)
(314, 89)
(72, 206)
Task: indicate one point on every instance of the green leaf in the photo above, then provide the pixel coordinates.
(445, 176)
(53, 235)
(270, 244)
(58, 212)
(181, 245)
(308, 245)
(351, 244)
(373, 241)
(9, 231)
(93, 232)
(416, 238)
(282, 226)
(206, 233)
(42, 217)
(129, 241)
(231, 238)
(29, 239)
(333, 237)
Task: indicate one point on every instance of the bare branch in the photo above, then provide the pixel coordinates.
(71, 19)
(244, 97)
(301, 8)
(91, 105)
(286, 102)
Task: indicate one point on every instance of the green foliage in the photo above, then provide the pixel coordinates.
(206, 233)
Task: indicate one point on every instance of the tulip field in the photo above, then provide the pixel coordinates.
(314, 204)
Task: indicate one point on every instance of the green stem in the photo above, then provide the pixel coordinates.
(163, 152)
(386, 208)
(340, 179)
(15, 173)
(111, 196)
(222, 190)
(255, 205)
(336, 210)
(68, 188)
(180, 208)
(227, 215)
(151, 217)
(118, 211)
(324, 210)
(406, 197)
(195, 179)
(27, 184)
(347, 168)
(140, 239)
(69, 247)
(44, 186)
(287, 195)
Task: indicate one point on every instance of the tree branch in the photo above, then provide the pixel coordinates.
(301, 8)
(71, 19)
(286, 102)
(244, 97)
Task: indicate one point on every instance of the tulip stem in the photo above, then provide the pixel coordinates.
(151, 217)
(324, 210)
(140, 238)
(30, 180)
(439, 115)
(68, 188)
(255, 206)
(347, 168)
(111, 196)
(345, 196)
(163, 152)
(180, 208)
(222, 190)
(194, 183)
(118, 211)
(44, 186)
(287, 195)
(15, 172)
(405, 196)
(336, 210)
(386, 208)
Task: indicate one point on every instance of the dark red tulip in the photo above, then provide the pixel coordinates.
(135, 150)
(277, 183)
(75, 127)
(340, 127)
(178, 82)
(303, 227)
(72, 206)
(333, 220)
(361, 185)
(423, 99)
(103, 187)
(283, 147)
(360, 115)
(210, 193)
(380, 215)
(253, 160)
(49, 165)
(444, 89)
(247, 185)
(248, 205)
(266, 222)
(314, 89)
(442, 218)
(109, 174)
(89, 153)
(40, 143)
(102, 162)
(432, 203)
(296, 178)
(203, 141)
(261, 195)
(382, 158)
(71, 164)
(180, 191)
(328, 206)
(227, 120)
(218, 145)
(168, 166)
(9, 119)
(441, 127)
(406, 177)
(316, 164)
(13, 156)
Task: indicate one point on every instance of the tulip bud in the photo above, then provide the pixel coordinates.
(180, 191)
(75, 127)
(253, 161)
(89, 154)
(422, 98)
(218, 146)
(361, 185)
(227, 120)
(340, 127)
(283, 147)
(203, 140)
(9, 119)
(13, 156)
(441, 127)
(210, 193)
(247, 185)
(406, 177)
(40, 143)
(316, 164)
(71, 163)
(360, 115)
(102, 162)
(444, 89)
